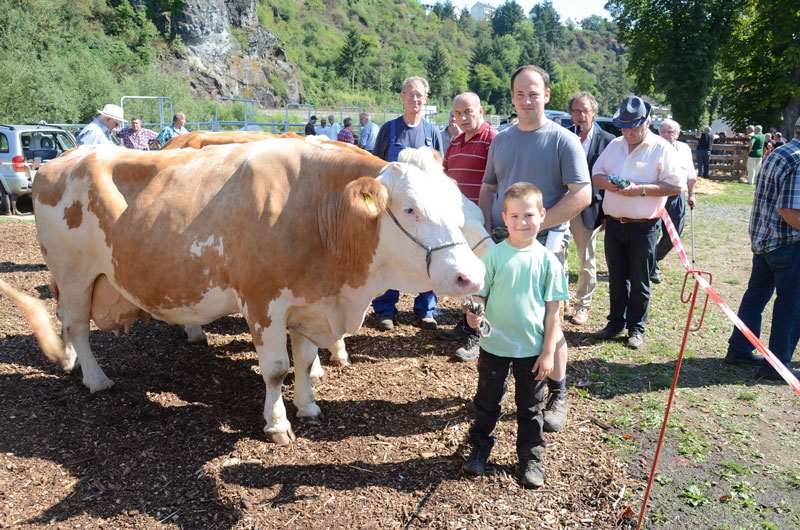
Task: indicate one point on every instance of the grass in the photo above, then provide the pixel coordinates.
(729, 459)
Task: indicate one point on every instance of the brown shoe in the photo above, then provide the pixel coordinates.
(581, 317)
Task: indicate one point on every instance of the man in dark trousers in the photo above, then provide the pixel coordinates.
(582, 108)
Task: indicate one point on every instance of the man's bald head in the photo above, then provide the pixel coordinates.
(468, 112)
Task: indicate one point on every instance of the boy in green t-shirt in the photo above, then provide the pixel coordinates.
(523, 286)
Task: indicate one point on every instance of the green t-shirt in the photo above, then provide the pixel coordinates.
(757, 141)
(517, 284)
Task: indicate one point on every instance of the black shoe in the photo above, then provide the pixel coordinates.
(609, 332)
(748, 359)
(456, 333)
(773, 375)
(655, 277)
(531, 474)
(468, 352)
(476, 463)
(555, 412)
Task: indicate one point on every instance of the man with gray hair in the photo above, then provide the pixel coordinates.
(582, 108)
(369, 132)
(676, 204)
(755, 155)
(333, 128)
(409, 130)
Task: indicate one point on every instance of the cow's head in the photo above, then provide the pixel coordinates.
(426, 239)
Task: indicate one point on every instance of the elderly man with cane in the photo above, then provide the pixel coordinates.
(676, 204)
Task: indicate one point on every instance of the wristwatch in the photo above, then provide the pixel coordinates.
(644, 189)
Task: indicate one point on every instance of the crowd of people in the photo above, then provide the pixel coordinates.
(108, 123)
(539, 185)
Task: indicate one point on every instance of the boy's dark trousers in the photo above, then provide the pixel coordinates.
(529, 394)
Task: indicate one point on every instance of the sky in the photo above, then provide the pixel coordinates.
(577, 9)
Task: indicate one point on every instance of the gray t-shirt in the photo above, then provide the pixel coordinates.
(550, 157)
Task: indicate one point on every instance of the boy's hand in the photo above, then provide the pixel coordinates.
(543, 366)
(474, 320)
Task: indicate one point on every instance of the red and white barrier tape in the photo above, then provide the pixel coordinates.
(768, 355)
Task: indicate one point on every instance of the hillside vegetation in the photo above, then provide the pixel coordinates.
(64, 59)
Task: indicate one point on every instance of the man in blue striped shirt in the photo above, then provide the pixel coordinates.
(775, 240)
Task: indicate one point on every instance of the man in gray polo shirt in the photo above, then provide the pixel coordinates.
(538, 151)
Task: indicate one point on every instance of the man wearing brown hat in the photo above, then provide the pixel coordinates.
(637, 171)
(100, 128)
(775, 241)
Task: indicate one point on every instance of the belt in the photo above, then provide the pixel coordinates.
(625, 220)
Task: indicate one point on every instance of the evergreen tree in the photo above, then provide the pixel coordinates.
(506, 17)
(437, 65)
(352, 55)
(548, 25)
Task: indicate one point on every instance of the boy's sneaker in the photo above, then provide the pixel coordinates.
(555, 412)
(470, 350)
(531, 474)
(476, 463)
(427, 323)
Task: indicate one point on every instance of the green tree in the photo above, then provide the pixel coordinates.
(548, 24)
(561, 92)
(437, 65)
(352, 56)
(506, 17)
(764, 82)
(445, 10)
(676, 47)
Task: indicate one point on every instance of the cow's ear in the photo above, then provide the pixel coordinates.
(368, 196)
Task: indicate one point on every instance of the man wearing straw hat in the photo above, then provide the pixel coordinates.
(99, 130)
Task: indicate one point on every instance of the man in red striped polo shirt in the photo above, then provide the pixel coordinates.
(465, 162)
(465, 159)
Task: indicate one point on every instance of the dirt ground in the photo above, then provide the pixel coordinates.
(179, 442)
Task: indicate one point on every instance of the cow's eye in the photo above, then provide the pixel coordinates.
(409, 211)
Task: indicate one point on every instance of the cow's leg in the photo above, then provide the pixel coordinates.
(304, 352)
(273, 360)
(339, 354)
(195, 334)
(316, 372)
(74, 307)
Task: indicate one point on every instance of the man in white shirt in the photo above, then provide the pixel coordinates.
(333, 128)
(322, 128)
(369, 132)
(670, 130)
(649, 166)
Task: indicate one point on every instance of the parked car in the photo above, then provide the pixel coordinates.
(607, 124)
(22, 149)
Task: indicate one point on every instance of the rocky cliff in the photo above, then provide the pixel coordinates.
(252, 66)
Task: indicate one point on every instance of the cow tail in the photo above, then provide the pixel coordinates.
(39, 320)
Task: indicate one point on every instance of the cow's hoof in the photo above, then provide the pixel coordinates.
(281, 438)
(312, 420)
(340, 362)
(103, 386)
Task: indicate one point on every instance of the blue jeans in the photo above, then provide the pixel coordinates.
(676, 208)
(424, 304)
(528, 395)
(630, 255)
(777, 270)
(703, 161)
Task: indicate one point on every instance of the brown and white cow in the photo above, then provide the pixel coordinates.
(293, 234)
(473, 228)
